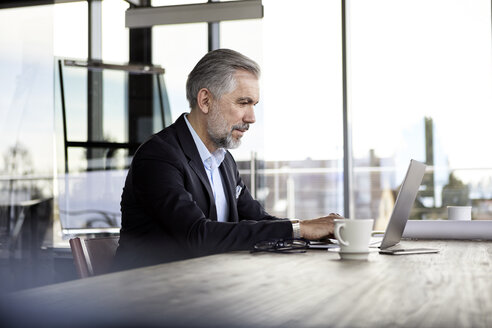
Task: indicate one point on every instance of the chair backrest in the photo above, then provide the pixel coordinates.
(93, 256)
(79, 258)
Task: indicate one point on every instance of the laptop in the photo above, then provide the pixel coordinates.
(390, 243)
(399, 217)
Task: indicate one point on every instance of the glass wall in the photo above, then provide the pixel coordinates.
(420, 74)
(97, 132)
(177, 48)
(26, 143)
(26, 96)
(115, 36)
(106, 111)
(420, 87)
(421, 81)
(70, 37)
(178, 58)
(298, 134)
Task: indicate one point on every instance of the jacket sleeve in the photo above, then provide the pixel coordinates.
(164, 187)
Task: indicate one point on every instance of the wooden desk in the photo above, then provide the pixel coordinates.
(316, 289)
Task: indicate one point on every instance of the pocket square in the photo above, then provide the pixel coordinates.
(238, 191)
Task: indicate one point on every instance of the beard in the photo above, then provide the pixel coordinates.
(219, 132)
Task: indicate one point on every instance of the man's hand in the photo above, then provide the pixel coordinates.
(319, 228)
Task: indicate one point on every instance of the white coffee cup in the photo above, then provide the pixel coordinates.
(353, 235)
(459, 213)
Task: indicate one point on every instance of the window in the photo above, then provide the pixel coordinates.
(26, 101)
(99, 129)
(178, 58)
(115, 36)
(421, 81)
(299, 142)
(70, 26)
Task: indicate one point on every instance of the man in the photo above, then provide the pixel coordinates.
(183, 196)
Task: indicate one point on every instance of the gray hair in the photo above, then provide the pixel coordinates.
(215, 71)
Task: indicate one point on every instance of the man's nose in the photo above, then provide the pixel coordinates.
(249, 116)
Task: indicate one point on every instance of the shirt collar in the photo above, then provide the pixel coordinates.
(210, 160)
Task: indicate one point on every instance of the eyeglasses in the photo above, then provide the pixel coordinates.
(281, 246)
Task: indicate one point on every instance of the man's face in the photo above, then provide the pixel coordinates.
(230, 116)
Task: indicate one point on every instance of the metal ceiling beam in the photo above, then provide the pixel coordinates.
(195, 13)
(213, 33)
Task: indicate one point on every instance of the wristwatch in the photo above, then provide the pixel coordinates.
(296, 228)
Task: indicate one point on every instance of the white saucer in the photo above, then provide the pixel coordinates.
(352, 255)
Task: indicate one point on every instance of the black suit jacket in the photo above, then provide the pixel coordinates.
(168, 208)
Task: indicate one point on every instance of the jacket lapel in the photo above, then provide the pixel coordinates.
(229, 183)
(195, 162)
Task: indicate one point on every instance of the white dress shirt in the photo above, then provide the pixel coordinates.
(211, 163)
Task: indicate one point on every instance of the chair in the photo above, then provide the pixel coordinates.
(94, 256)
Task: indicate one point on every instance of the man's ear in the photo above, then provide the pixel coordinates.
(204, 100)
